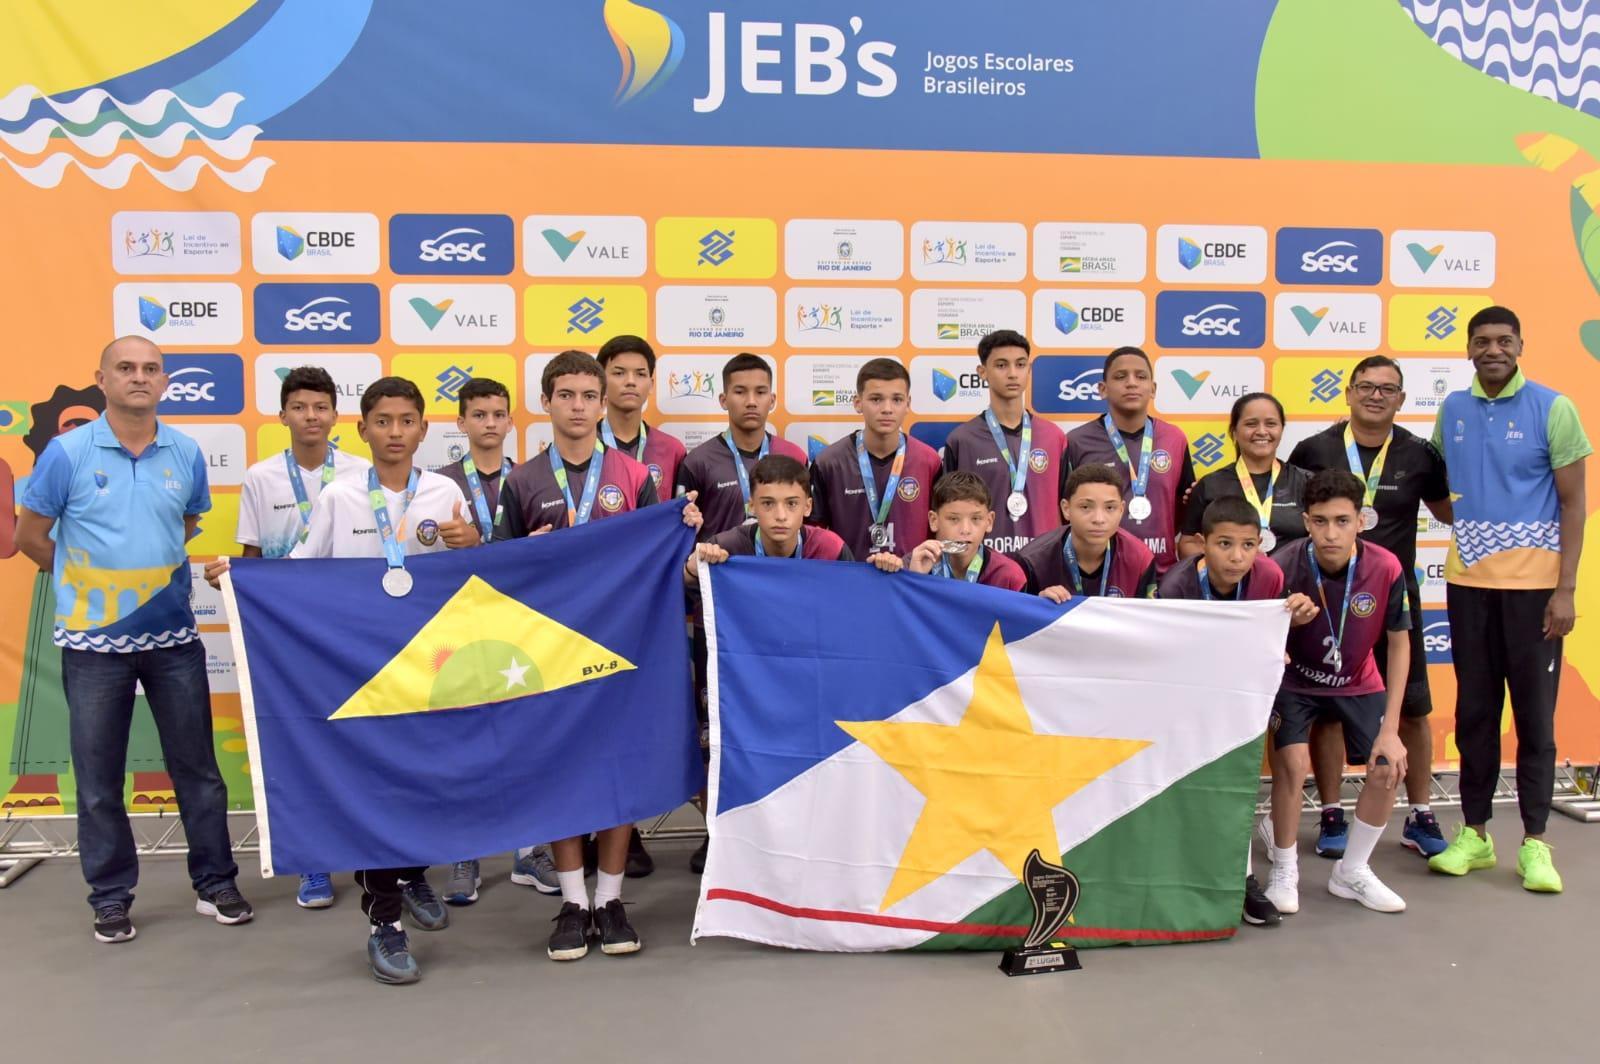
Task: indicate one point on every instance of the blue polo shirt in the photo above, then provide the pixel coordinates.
(121, 568)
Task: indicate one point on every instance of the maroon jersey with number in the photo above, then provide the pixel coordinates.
(1132, 575)
(1377, 605)
(1171, 474)
(1263, 581)
(709, 470)
(969, 447)
(815, 543)
(663, 454)
(530, 498)
(839, 499)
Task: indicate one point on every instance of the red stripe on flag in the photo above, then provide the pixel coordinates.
(942, 928)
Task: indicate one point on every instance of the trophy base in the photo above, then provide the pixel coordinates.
(1040, 961)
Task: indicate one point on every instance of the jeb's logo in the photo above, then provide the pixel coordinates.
(817, 52)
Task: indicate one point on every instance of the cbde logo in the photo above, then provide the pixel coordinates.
(1329, 256)
(1211, 319)
(1068, 384)
(203, 384)
(317, 313)
(446, 244)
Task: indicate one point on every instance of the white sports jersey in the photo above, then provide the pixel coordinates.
(342, 525)
(269, 516)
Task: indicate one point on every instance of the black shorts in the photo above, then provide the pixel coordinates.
(1418, 700)
(1361, 716)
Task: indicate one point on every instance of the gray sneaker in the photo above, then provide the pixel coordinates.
(536, 869)
(423, 906)
(462, 886)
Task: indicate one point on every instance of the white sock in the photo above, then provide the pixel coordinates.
(1285, 855)
(1327, 806)
(1423, 808)
(379, 927)
(572, 888)
(1363, 840)
(607, 888)
(523, 851)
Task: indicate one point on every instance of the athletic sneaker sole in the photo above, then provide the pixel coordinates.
(205, 908)
(119, 936)
(1330, 853)
(395, 980)
(576, 954)
(1477, 864)
(530, 881)
(315, 903)
(616, 949)
(1419, 851)
(464, 899)
(1256, 921)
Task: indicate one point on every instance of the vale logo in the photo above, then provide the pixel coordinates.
(1309, 319)
(1424, 257)
(563, 244)
(431, 313)
(1190, 383)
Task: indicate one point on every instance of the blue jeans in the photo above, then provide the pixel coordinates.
(99, 689)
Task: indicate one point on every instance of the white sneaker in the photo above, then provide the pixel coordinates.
(1364, 886)
(1264, 833)
(1283, 887)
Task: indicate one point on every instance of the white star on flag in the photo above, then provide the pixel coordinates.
(515, 675)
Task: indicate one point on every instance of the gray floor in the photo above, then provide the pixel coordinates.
(1476, 969)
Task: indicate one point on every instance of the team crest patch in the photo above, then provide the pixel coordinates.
(655, 473)
(1363, 604)
(610, 498)
(1038, 460)
(1160, 462)
(909, 489)
(1112, 591)
(428, 532)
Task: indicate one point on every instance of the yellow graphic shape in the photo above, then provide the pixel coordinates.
(717, 248)
(991, 781)
(482, 647)
(90, 597)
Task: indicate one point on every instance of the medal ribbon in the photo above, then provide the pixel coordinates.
(880, 508)
(1069, 555)
(1141, 477)
(973, 570)
(1352, 455)
(480, 501)
(1205, 585)
(1019, 470)
(738, 464)
(393, 546)
(799, 545)
(299, 486)
(1263, 507)
(579, 515)
(610, 439)
(1344, 614)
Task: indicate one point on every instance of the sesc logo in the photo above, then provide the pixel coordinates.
(444, 244)
(1436, 636)
(1211, 319)
(203, 384)
(317, 313)
(1329, 256)
(1068, 384)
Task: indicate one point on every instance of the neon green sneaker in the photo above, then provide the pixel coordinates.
(1467, 852)
(1537, 870)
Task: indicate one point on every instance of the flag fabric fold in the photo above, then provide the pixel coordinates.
(522, 692)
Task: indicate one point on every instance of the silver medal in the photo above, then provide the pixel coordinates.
(1017, 504)
(1369, 518)
(952, 546)
(1139, 508)
(880, 537)
(1268, 540)
(397, 583)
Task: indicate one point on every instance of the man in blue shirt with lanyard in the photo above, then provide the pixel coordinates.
(123, 494)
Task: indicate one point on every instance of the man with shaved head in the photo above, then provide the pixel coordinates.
(122, 495)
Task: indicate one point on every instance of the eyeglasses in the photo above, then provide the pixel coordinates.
(1366, 390)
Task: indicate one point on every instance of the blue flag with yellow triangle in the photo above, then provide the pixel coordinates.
(522, 692)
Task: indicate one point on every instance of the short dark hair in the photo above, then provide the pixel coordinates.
(1333, 484)
(1137, 352)
(1228, 510)
(481, 388)
(391, 388)
(307, 379)
(1001, 338)
(882, 369)
(1092, 473)
(779, 469)
(569, 363)
(744, 362)
(960, 486)
(1495, 316)
(627, 344)
(1372, 362)
(1245, 400)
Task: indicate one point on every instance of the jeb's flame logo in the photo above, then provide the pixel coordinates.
(649, 44)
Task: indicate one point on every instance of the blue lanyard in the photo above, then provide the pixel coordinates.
(1069, 556)
(579, 515)
(610, 438)
(880, 508)
(393, 549)
(480, 502)
(738, 464)
(1205, 585)
(973, 570)
(799, 545)
(299, 486)
(1019, 470)
(1141, 480)
(1344, 613)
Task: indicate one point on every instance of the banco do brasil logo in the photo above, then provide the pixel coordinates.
(586, 315)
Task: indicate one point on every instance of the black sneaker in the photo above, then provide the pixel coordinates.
(697, 860)
(423, 905)
(1332, 834)
(616, 934)
(226, 904)
(1258, 911)
(389, 954)
(112, 923)
(640, 863)
(591, 855)
(570, 940)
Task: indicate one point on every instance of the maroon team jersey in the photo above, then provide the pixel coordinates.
(1171, 474)
(971, 448)
(531, 498)
(708, 469)
(663, 454)
(1263, 581)
(817, 544)
(1377, 606)
(839, 500)
(1132, 575)
(489, 478)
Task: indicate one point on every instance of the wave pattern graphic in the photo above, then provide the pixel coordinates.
(115, 174)
(104, 141)
(1477, 540)
(1550, 48)
(123, 644)
(14, 106)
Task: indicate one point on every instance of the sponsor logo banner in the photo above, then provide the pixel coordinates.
(829, 248)
(844, 317)
(582, 315)
(179, 315)
(1068, 384)
(1313, 386)
(735, 316)
(1089, 251)
(1435, 322)
(273, 438)
(1211, 319)
(317, 314)
(1211, 254)
(452, 314)
(175, 242)
(223, 446)
(202, 384)
(446, 244)
(1441, 258)
(821, 384)
(441, 376)
(717, 249)
(690, 384)
(1429, 380)
(1329, 256)
(314, 243)
(959, 318)
(969, 251)
(947, 384)
(445, 443)
(1327, 321)
(1097, 318)
(1206, 384)
(813, 437)
(351, 374)
(584, 245)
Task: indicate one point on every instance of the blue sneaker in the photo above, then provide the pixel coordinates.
(536, 869)
(1332, 834)
(423, 906)
(462, 886)
(1423, 835)
(316, 891)
(389, 953)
